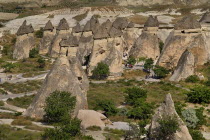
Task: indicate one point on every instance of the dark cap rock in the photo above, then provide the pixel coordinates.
(188, 22)
(63, 25)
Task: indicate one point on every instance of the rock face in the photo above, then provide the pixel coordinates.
(60, 78)
(182, 39)
(25, 41)
(147, 45)
(167, 109)
(185, 67)
(47, 39)
(62, 32)
(92, 118)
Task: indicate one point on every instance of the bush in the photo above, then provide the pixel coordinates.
(41, 62)
(131, 60)
(58, 107)
(199, 94)
(179, 108)
(148, 64)
(161, 45)
(143, 111)
(33, 53)
(192, 79)
(63, 132)
(133, 94)
(39, 33)
(101, 71)
(201, 117)
(8, 67)
(160, 72)
(207, 83)
(107, 106)
(168, 126)
(196, 135)
(1, 103)
(190, 117)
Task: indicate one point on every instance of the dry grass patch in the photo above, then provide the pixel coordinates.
(21, 122)
(138, 19)
(132, 74)
(35, 127)
(80, 17)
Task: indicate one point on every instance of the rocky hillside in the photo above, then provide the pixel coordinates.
(120, 2)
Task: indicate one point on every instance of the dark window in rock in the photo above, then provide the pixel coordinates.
(79, 78)
(183, 31)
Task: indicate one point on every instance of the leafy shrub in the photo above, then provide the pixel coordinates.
(148, 64)
(190, 117)
(168, 126)
(192, 79)
(201, 117)
(133, 94)
(101, 71)
(65, 131)
(1, 103)
(161, 45)
(59, 105)
(179, 108)
(207, 83)
(199, 94)
(87, 138)
(142, 111)
(160, 72)
(41, 62)
(8, 67)
(131, 60)
(107, 106)
(33, 53)
(196, 135)
(39, 33)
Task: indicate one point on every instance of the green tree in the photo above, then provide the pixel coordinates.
(199, 94)
(101, 71)
(33, 53)
(148, 64)
(131, 60)
(107, 106)
(59, 106)
(160, 72)
(133, 94)
(168, 126)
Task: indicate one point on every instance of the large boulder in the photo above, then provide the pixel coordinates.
(167, 109)
(92, 118)
(60, 78)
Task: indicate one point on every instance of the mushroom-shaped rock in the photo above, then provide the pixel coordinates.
(103, 30)
(48, 26)
(167, 109)
(92, 118)
(152, 21)
(131, 25)
(94, 24)
(25, 29)
(188, 22)
(65, 79)
(77, 28)
(63, 25)
(87, 27)
(120, 23)
(71, 41)
(115, 32)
